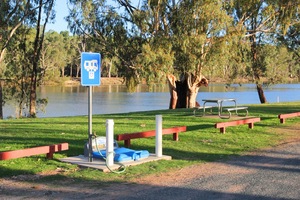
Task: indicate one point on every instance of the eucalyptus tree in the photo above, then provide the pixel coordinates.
(102, 28)
(18, 69)
(72, 54)
(43, 15)
(278, 61)
(261, 20)
(291, 40)
(184, 34)
(152, 39)
(199, 35)
(60, 55)
(13, 13)
(17, 13)
(76, 47)
(53, 56)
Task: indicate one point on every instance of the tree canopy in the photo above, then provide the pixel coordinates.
(256, 40)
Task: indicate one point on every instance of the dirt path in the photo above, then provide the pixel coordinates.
(234, 179)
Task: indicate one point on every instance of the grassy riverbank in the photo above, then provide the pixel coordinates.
(201, 143)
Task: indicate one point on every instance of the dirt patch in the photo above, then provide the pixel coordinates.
(22, 187)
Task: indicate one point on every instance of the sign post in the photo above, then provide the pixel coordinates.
(90, 76)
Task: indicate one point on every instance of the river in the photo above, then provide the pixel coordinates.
(73, 100)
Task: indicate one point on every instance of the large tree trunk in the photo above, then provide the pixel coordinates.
(256, 65)
(62, 72)
(33, 86)
(261, 93)
(109, 68)
(184, 91)
(77, 70)
(36, 54)
(173, 93)
(38, 46)
(71, 71)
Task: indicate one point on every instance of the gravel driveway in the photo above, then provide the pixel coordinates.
(271, 174)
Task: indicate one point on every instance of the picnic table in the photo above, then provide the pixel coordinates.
(219, 102)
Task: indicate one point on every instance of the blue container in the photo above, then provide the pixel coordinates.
(123, 154)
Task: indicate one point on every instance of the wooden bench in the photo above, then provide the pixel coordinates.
(236, 109)
(48, 150)
(201, 108)
(250, 121)
(282, 117)
(128, 136)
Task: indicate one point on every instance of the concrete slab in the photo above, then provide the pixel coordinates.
(100, 164)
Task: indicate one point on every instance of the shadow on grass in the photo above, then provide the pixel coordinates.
(273, 109)
(200, 127)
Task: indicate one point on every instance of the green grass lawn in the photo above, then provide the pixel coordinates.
(201, 143)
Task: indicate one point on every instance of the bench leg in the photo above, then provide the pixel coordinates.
(222, 130)
(200, 115)
(127, 143)
(229, 114)
(49, 155)
(282, 120)
(175, 137)
(251, 125)
(195, 112)
(51, 152)
(225, 117)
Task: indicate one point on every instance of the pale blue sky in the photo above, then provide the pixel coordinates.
(61, 9)
(61, 12)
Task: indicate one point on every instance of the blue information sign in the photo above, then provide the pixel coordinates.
(90, 69)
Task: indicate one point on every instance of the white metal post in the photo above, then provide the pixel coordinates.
(109, 142)
(158, 136)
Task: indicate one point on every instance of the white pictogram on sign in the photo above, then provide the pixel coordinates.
(91, 66)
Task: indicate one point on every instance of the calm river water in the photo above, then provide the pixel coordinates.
(73, 100)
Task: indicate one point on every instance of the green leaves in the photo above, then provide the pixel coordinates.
(207, 36)
(155, 61)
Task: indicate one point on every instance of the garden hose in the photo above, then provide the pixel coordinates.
(122, 167)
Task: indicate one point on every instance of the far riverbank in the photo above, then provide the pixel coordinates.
(121, 81)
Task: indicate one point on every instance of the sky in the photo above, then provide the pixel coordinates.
(61, 12)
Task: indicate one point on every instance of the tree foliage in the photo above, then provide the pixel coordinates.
(21, 16)
(256, 40)
(260, 21)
